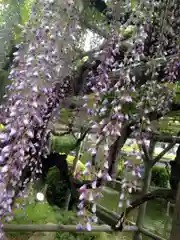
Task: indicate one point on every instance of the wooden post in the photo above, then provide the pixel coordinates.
(142, 208)
(145, 188)
(175, 231)
(78, 151)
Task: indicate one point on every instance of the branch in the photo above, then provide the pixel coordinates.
(93, 28)
(83, 135)
(90, 53)
(166, 194)
(108, 217)
(139, 69)
(145, 151)
(151, 147)
(160, 137)
(57, 134)
(164, 138)
(145, 154)
(79, 149)
(116, 147)
(157, 158)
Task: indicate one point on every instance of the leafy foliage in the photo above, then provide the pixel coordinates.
(57, 188)
(160, 177)
(63, 144)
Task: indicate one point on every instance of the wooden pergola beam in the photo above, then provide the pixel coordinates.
(156, 137)
(164, 138)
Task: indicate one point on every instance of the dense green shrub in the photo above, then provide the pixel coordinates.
(57, 188)
(70, 218)
(64, 144)
(160, 177)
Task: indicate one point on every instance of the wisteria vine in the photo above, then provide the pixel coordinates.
(38, 85)
(36, 89)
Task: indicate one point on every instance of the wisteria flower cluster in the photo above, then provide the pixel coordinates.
(36, 89)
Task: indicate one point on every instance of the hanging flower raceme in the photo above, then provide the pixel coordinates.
(111, 96)
(107, 110)
(114, 97)
(37, 86)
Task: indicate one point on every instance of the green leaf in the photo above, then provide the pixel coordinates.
(133, 4)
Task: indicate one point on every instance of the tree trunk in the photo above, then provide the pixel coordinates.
(176, 218)
(115, 148)
(175, 170)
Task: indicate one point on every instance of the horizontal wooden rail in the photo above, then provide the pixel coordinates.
(59, 228)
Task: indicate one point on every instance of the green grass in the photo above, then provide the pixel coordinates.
(42, 213)
(39, 213)
(35, 213)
